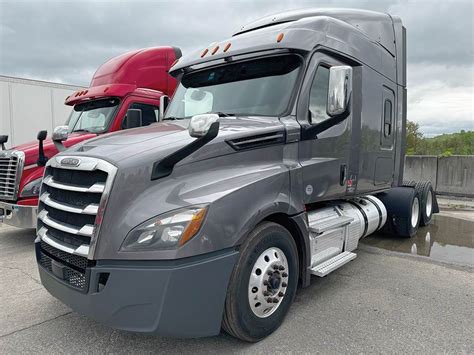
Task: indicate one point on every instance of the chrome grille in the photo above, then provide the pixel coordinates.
(11, 168)
(71, 198)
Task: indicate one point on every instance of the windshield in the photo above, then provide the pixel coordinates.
(261, 87)
(92, 116)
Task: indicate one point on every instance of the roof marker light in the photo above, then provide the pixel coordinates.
(280, 37)
(85, 92)
(107, 88)
(204, 52)
(216, 48)
(227, 46)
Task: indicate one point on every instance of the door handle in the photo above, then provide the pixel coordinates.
(343, 175)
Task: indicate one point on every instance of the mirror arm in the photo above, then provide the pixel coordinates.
(59, 146)
(164, 167)
(312, 131)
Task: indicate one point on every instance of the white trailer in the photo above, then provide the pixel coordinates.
(28, 106)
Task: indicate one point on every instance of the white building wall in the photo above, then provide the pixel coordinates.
(28, 106)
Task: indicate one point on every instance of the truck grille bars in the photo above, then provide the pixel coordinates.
(11, 167)
(71, 195)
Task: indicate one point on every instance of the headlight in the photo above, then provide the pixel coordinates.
(31, 189)
(166, 231)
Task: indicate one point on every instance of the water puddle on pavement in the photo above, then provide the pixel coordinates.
(446, 239)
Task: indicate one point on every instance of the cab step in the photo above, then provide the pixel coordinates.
(332, 264)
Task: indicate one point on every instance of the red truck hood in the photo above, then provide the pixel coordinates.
(31, 148)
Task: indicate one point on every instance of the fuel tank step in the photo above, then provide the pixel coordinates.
(332, 264)
(319, 227)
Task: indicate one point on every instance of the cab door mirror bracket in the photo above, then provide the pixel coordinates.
(338, 100)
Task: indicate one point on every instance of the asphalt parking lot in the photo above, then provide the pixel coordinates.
(383, 301)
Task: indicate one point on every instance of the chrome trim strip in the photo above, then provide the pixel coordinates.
(82, 250)
(96, 188)
(91, 209)
(87, 230)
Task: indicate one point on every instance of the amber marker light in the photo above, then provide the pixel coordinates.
(204, 52)
(227, 46)
(216, 48)
(193, 226)
(280, 37)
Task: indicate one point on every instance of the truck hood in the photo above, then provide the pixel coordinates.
(148, 144)
(31, 148)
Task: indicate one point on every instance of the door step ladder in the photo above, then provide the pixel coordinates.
(332, 264)
(331, 223)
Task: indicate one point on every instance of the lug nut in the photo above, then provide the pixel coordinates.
(266, 293)
(284, 274)
(269, 273)
(281, 268)
(280, 294)
(275, 300)
(269, 300)
(265, 282)
(275, 267)
(284, 284)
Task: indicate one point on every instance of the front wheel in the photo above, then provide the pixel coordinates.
(263, 283)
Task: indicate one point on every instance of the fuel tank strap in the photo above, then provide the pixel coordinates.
(366, 220)
(378, 209)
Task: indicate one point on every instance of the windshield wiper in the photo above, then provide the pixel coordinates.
(173, 118)
(82, 130)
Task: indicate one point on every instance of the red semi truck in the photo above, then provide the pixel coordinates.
(125, 92)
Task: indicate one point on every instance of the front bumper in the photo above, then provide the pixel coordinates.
(18, 215)
(182, 298)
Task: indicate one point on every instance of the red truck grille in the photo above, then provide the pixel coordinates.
(11, 167)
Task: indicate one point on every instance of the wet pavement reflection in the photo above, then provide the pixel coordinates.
(446, 239)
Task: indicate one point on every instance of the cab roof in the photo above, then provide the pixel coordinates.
(366, 35)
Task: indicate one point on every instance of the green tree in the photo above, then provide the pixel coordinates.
(414, 137)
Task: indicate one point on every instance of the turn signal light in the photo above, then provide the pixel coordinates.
(280, 37)
(227, 46)
(204, 52)
(216, 48)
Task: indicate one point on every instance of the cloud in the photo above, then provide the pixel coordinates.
(66, 41)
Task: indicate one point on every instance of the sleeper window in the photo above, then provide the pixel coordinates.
(387, 114)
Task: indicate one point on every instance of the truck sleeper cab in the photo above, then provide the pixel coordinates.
(268, 167)
(134, 81)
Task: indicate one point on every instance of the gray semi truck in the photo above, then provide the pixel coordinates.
(282, 147)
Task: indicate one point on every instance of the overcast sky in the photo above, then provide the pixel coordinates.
(65, 41)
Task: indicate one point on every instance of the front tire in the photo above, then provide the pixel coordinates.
(263, 284)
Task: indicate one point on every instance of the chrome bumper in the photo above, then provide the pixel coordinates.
(17, 215)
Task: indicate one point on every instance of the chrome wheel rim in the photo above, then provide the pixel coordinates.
(415, 212)
(429, 204)
(268, 282)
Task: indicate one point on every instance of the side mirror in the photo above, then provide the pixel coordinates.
(200, 124)
(60, 134)
(164, 101)
(340, 90)
(42, 159)
(134, 118)
(3, 140)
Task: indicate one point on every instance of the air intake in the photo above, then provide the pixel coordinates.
(257, 141)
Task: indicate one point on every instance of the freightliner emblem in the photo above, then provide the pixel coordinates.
(70, 162)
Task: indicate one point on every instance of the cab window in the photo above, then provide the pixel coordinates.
(318, 96)
(150, 114)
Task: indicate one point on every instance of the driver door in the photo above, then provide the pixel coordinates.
(324, 156)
